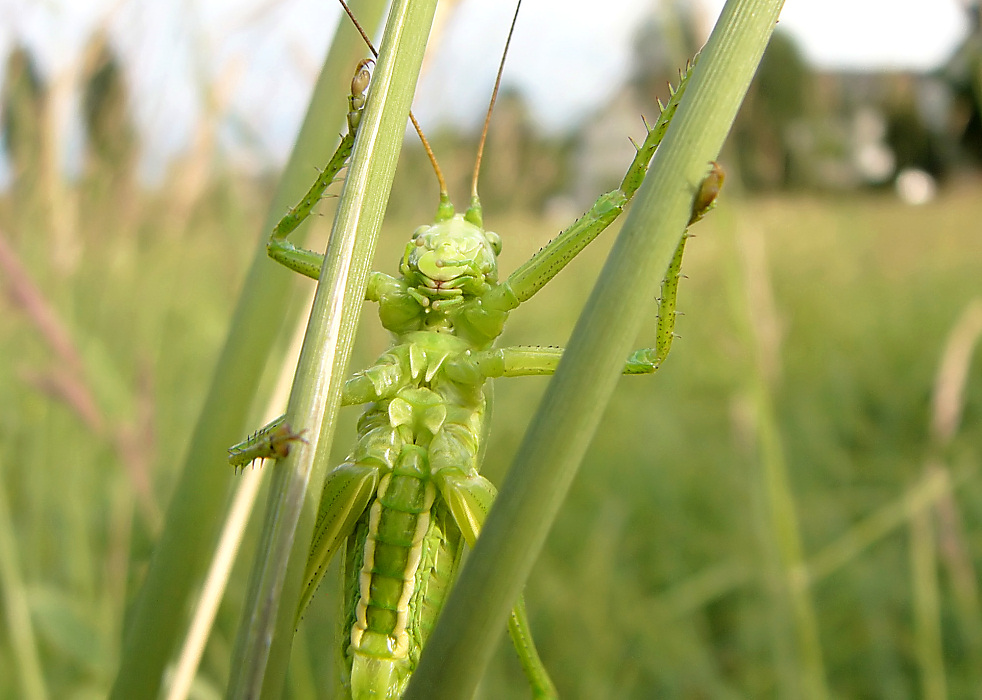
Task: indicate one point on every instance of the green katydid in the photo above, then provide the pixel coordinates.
(409, 495)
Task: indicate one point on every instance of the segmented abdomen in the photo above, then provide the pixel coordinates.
(397, 523)
(409, 551)
(422, 432)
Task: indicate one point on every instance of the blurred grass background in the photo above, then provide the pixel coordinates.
(655, 574)
(798, 403)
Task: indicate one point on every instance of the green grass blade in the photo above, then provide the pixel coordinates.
(927, 606)
(572, 406)
(782, 526)
(20, 631)
(265, 637)
(197, 506)
(926, 494)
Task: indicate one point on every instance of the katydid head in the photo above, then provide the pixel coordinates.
(454, 259)
(451, 259)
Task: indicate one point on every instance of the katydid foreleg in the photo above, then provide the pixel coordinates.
(532, 276)
(307, 262)
(273, 440)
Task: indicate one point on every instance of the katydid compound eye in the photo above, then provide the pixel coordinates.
(494, 240)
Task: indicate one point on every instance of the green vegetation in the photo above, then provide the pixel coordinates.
(653, 575)
(779, 512)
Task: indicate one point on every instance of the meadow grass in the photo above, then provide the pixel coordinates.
(659, 577)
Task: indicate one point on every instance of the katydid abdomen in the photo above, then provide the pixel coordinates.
(403, 556)
(419, 438)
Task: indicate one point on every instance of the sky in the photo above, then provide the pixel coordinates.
(570, 50)
(566, 56)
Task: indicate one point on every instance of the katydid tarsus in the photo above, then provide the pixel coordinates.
(409, 495)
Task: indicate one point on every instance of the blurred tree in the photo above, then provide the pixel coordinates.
(769, 135)
(111, 137)
(912, 141)
(668, 38)
(963, 73)
(521, 168)
(23, 104)
(111, 199)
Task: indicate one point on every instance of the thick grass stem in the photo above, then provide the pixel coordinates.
(195, 513)
(263, 645)
(571, 409)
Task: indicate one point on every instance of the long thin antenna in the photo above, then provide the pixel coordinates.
(444, 195)
(487, 119)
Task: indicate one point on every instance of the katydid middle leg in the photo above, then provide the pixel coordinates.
(381, 380)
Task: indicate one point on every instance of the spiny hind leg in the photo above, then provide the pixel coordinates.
(528, 279)
(307, 262)
(648, 360)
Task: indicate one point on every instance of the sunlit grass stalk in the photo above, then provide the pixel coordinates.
(265, 636)
(562, 429)
(17, 618)
(927, 606)
(194, 515)
(214, 587)
(950, 550)
(923, 495)
(783, 527)
(233, 530)
(796, 646)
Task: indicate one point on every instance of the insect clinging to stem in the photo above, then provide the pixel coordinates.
(410, 494)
